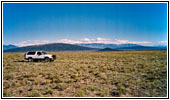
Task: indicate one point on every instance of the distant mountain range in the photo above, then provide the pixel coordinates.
(142, 48)
(108, 49)
(6, 47)
(53, 47)
(101, 45)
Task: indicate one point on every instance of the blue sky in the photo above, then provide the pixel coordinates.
(36, 23)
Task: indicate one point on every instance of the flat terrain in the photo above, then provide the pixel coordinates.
(87, 74)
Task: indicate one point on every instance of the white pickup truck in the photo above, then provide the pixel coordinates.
(39, 55)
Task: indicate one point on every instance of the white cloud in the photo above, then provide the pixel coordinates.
(67, 41)
(85, 40)
(162, 43)
(132, 42)
(104, 40)
(24, 41)
(31, 42)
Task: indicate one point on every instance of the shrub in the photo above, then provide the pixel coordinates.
(34, 94)
(6, 93)
(8, 77)
(79, 93)
(60, 87)
(6, 85)
(122, 90)
(49, 91)
(15, 84)
(115, 93)
(91, 88)
(101, 94)
(30, 89)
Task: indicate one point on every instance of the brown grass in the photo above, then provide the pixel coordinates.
(87, 74)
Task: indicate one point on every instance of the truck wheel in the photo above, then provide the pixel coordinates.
(47, 59)
(30, 59)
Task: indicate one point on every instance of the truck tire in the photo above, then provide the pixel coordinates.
(47, 59)
(30, 60)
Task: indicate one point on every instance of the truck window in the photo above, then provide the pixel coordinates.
(44, 52)
(38, 53)
(31, 53)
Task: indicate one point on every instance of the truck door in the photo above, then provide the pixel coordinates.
(39, 55)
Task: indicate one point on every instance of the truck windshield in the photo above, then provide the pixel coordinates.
(44, 52)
